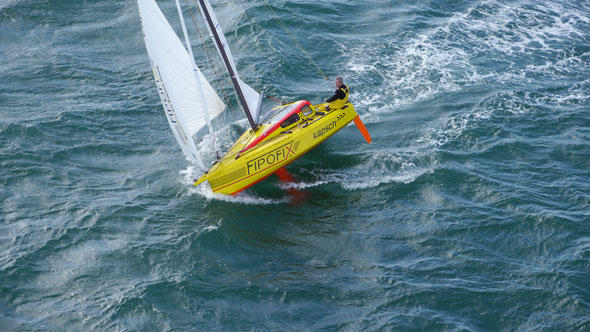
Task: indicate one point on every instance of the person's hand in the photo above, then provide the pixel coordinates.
(326, 100)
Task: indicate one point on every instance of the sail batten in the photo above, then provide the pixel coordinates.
(177, 79)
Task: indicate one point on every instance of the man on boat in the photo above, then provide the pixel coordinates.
(340, 96)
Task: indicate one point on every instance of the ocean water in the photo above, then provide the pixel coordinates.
(470, 211)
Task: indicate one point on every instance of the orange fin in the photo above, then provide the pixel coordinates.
(361, 126)
(284, 175)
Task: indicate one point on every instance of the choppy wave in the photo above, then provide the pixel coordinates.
(474, 192)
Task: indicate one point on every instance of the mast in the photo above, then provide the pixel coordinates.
(197, 78)
(203, 5)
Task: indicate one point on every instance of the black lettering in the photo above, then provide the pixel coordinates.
(273, 159)
(269, 159)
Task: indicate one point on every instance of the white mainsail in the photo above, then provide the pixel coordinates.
(178, 87)
(251, 96)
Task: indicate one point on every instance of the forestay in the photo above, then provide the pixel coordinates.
(173, 72)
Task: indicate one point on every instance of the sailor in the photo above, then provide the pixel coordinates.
(340, 96)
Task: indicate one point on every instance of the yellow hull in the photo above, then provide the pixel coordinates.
(242, 167)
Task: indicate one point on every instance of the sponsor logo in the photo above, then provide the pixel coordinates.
(271, 158)
(167, 103)
(328, 127)
(168, 108)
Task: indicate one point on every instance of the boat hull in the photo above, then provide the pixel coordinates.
(239, 169)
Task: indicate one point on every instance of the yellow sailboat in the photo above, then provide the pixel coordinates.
(284, 134)
(291, 131)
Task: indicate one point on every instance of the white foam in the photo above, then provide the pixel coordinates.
(6, 3)
(437, 61)
(211, 228)
(204, 190)
(305, 185)
(359, 179)
(375, 180)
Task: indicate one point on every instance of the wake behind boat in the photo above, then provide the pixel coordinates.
(190, 103)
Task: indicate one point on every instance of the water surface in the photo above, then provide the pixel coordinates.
(469, 212)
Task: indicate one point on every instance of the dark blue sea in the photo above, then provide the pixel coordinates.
(470, 211)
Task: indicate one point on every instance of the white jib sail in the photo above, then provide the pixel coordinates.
(177, 86)
(253, 98)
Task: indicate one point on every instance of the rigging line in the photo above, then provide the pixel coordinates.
(275, 99)
(218, 37)
(270, 37)
(207, 52)
(277, 50)
(196, 74)
(310, 58)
